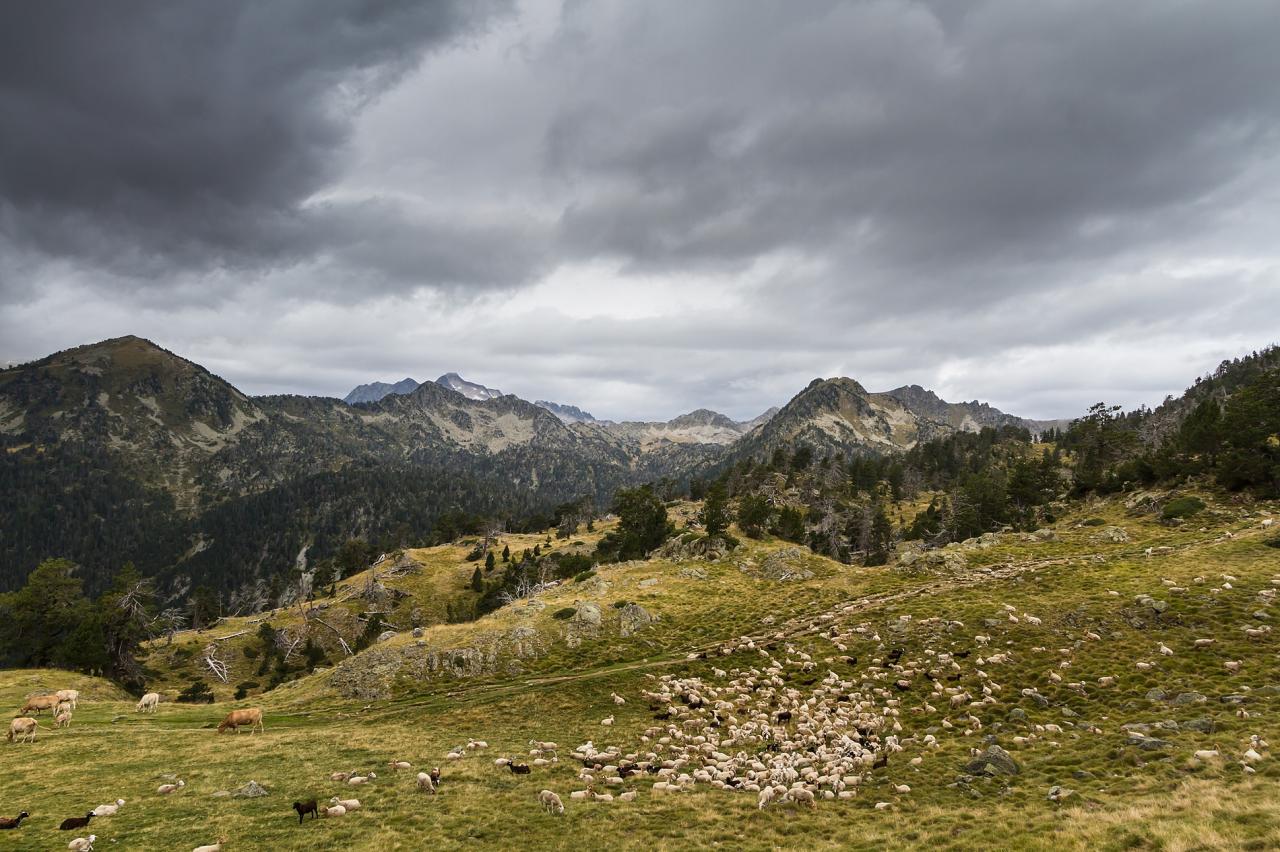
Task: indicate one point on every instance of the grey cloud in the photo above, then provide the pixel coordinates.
(151, 136)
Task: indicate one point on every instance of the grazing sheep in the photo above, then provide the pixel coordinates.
(1206, 754)
(13, 822)
(335, 811)
(551, 802)
(307, 807)
(474, 744)
(629, 796)
(82, 844)
(166, 789)
(149, 702)
(883, 806)
(425, 784)
(349, 804)
(237, 718)
(71, 696)
(519, 768)
(340, 776)
(400, 764)
(766, 797)
(23, 728)
(72, 823)
(39, 703)
(108, 810)
(215, 847)
(800, 796)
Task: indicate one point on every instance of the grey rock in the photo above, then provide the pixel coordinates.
(417, 633)
(1057, 794)
(1017, 714)
(252, 790)
(1083, 775)
(1147, 743)
(1204, 726)
(1110, 534)
(993, 761)
(1184, 698)
(1157, 694)
(1234, 698)
(632, 619)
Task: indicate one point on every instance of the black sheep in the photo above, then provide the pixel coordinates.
(72, 823)
(13, 822)
(307, 807)
(435, 777)
(518, 768)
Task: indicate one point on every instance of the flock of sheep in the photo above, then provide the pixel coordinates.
(822, 709)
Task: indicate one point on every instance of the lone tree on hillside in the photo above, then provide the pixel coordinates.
(642, 525)
(715, 510)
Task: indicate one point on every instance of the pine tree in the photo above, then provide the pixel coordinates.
(715, 510)
(477, 578)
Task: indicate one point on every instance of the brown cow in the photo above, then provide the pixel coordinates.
(36, 703)
(251, 717)
(24, 728)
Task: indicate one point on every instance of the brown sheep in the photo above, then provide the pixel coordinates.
(237, 718)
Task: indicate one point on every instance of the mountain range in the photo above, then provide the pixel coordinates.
(121, 450)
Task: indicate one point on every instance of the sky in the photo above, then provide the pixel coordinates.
(645, 208)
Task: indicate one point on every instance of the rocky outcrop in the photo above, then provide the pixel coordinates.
(786, 565)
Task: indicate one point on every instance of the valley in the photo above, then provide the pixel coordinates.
(1121, 749)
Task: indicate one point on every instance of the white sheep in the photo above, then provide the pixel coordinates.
(425, 784)
(82, 844)
(607, 721)
(617, 699)
(166, 789)
(108, 810)
(551, 802)
(400, 764)
(335, 811)
(149, 702)
(349, 804)
(356, 780)
(213, 847)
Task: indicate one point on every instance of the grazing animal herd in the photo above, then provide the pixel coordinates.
(62, 704)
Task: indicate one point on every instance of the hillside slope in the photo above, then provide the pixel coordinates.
(1008, 622)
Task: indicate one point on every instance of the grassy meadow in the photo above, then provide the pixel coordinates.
(1215, 573)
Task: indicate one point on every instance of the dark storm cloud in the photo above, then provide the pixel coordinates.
(647, 207)
(158, 137)
(1013, 134)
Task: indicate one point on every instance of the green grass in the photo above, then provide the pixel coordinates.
(1131, 798)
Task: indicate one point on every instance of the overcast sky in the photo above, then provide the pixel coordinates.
(642, 208)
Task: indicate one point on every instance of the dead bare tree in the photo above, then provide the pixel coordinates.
(214, 663)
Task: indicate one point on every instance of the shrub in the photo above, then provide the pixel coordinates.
(1093, 522)
(620, 604)
(242, 689)
(1274, 541)
(585, 575)
(198, 692)
(1182, 507)
(562, 614)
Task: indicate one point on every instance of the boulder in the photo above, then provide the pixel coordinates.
(993, 761)
(1057, 794)
(1184, 698)
(785, 565)
(252, 790)
(1114, 535)
(1147, 743)
(633, 618)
